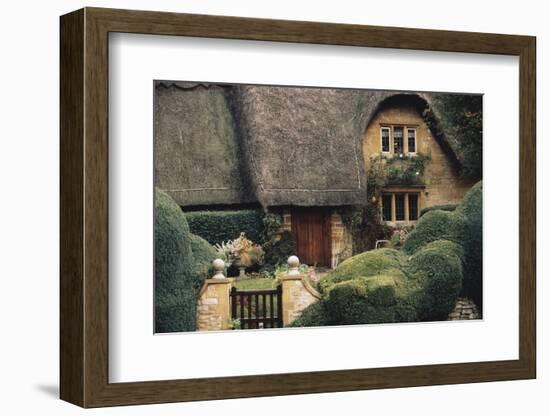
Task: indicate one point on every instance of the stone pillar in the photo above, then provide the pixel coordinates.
(213, 308)
(298, 293)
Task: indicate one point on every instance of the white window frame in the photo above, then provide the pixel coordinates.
(389, 130)
(415, 141)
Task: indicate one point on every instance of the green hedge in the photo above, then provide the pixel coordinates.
(435, 225)
(366, 264)
(446, 207)
(471, 210)
(313, 315)
(203, 255)
(219, 226)
(438, 268)
(182, 262)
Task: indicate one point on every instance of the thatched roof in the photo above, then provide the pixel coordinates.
(226, 144)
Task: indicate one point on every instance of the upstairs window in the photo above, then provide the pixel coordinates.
(385, 139)
(398, 140)
(411, 140)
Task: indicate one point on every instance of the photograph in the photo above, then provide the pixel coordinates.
(293, 206)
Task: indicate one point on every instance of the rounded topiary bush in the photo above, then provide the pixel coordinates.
(175, 283)
(369, 263)
(444, 207)
(438, 269)
(435, 225)
(203, 255)
(313, 315)
(351, 302)
(472, 211)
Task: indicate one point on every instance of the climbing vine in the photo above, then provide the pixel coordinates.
(365, 222)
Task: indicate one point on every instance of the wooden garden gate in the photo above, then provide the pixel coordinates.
(255, 309)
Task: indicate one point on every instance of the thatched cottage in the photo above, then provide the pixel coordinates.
(304, 152)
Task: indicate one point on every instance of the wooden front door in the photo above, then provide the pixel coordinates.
(311, 229)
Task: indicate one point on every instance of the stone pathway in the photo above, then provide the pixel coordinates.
(464, 309)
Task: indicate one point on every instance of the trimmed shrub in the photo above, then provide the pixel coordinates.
(313, 315)
(182, 263)
(203, 255)
(219, 226)
(438, 268)
(446, 207)
(366, 264)
(471, 209)
(435, 225)
(175, 286)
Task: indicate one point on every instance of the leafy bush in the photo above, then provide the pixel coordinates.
(182, 262)
(471, 210)
(438, 268)
(203, 255)
(278, 249)
(366, 264)
(175, 285)
(219, 226)
(435, 225)
(446, 207)
(313, 315)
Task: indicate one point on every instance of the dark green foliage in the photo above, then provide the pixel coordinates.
(278, 249)
(438, 267)
(406, 170)
(434, 225)
(446, 207)
(219, 226)
(175, 285)
(471, 209)
(182, 262)
(459, 118)
(203, 255)
(313, 315)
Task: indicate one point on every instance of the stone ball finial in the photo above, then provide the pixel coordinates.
(219, 267)
(293, 265)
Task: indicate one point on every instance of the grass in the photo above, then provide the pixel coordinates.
(256, 283)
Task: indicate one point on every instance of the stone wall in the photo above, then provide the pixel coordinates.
(341, 240)
(298, 294)
(213, 309)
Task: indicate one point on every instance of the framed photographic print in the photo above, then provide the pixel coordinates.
(261, 207)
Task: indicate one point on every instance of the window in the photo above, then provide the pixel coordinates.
(398, 140)
(386, 206)
(385, 138)
(413, 207)
(411, 140)
(400, 206)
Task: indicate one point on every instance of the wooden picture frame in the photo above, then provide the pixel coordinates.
(84, 207)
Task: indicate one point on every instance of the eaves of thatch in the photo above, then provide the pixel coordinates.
(223, 144)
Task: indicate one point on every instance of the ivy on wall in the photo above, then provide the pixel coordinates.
(365, 222)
